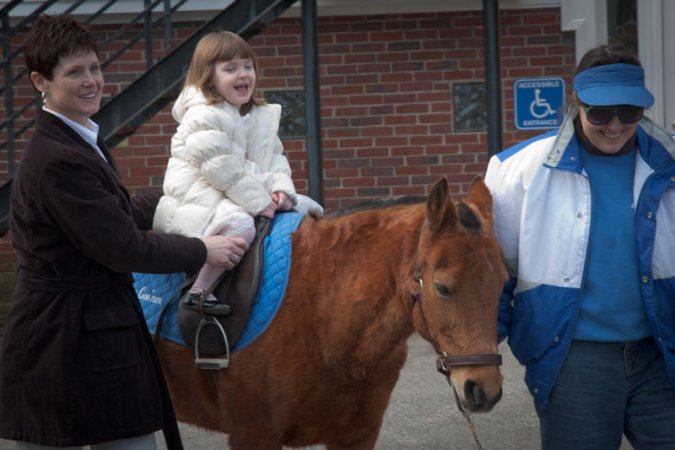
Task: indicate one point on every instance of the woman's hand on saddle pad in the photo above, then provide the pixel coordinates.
(224, 251)
(282, 200)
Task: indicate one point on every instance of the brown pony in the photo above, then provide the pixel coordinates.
(360, 285)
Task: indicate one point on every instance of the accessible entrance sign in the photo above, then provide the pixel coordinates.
(539, 103)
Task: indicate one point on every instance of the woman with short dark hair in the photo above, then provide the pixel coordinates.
(77, 365)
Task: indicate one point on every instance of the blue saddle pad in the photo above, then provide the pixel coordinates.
(159, 291)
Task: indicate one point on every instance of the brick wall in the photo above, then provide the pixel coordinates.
(386, 101)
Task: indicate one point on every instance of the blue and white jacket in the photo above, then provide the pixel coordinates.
(542, 211)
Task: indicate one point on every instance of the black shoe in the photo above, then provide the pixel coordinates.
(210, 307)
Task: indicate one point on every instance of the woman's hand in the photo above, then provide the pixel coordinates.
(282, 200)
(224, 251)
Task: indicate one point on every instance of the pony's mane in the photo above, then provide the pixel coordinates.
(379, 204)
(467, 216)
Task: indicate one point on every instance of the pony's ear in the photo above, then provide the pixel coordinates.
(441, 212)
(480, 197)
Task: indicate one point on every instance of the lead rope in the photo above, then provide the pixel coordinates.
(467, 416)
(472, 428)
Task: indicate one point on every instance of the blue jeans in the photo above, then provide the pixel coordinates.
(606, 389)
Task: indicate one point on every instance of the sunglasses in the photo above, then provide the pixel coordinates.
(602, 115)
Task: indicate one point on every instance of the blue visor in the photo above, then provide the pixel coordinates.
(613, 84)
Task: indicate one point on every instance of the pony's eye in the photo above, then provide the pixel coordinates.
(443, 291)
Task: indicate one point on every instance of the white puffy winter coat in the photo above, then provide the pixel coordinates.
(222, 165)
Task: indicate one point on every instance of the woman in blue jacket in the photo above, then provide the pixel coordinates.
(586, 218)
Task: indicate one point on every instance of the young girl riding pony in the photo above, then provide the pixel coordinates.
(227, 164)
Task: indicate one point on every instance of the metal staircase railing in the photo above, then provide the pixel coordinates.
(123, 113)
(12, 77)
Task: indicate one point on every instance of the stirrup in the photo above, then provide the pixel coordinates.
(212, 362)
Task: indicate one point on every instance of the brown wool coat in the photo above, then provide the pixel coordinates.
(75, 364)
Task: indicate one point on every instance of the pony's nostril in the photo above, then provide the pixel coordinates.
(474, 394)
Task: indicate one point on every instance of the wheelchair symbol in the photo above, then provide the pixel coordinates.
(539, 107)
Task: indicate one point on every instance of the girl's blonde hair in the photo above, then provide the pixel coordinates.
(217, 47)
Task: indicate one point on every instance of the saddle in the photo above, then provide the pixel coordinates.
(210, 336)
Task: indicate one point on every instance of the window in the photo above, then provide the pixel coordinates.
(468, 105)
(622, 23)
(292, 103)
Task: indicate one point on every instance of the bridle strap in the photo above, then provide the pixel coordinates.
(445, 361)
(492, 359)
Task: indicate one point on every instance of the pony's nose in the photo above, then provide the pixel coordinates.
(474, 394)
(476, 399)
